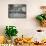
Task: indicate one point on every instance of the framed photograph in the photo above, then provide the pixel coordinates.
(16, 10)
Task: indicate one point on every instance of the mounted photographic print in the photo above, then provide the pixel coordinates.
(16, 10)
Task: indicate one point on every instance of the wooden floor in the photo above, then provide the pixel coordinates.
(30, 45)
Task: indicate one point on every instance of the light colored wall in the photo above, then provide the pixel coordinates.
(25, 26)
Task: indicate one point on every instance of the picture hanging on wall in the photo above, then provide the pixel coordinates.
(16, 10)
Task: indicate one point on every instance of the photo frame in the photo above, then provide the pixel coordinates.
(16, 10)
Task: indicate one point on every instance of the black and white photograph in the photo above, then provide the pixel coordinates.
(16, 10)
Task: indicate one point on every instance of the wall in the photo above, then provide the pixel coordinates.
(25, 26)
